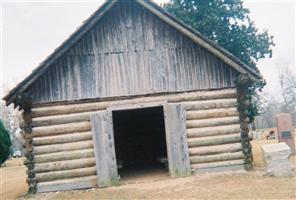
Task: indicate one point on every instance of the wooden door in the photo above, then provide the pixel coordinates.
(103, 137)
(176, 138)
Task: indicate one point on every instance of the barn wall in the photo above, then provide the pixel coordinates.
(131, 52)
(63, 147)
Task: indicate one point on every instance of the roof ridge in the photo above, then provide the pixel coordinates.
(194, 35)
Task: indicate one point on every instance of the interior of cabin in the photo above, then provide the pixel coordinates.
(140, 143)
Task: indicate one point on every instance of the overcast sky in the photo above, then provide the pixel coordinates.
(32, 30)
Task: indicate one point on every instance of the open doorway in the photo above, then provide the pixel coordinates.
(140, 143)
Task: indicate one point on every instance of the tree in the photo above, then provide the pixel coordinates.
(287, 79)
(285, 102)
(227, 23)
(11, 118)
(269, 109)
(5, 144)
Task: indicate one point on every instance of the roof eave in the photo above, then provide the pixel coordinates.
(58, 52)
(152, 7)
(201, 40)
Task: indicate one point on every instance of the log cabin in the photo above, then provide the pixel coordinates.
(133, 88)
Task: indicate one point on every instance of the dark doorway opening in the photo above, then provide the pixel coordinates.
(140, 142)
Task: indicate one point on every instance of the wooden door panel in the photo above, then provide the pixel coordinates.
(177, 146)
(103, 137)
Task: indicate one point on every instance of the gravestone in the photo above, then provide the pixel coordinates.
(286, 130)
(256, 134)
(276, 158)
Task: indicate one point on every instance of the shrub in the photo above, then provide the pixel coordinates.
(5, 143)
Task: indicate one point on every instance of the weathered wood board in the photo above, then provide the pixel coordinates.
(103, 137)
(177, 146)
(67, 184)
(131, 51)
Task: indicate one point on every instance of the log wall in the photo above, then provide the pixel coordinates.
(63, 147)
(130, 51)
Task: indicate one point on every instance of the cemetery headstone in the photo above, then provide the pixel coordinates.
(286, 130)
(276, 158)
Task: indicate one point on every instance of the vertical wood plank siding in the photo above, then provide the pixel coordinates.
(131, 52)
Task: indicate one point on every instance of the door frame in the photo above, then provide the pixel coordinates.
(175, 131)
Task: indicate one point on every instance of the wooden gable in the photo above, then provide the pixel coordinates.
(131, 51)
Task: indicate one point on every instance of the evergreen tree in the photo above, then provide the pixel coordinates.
(5, 144)
(227, 23)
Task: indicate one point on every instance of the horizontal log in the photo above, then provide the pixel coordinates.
(63, 147)
(212, 131)
(61, 119)
(68, 184)
(212, 122)
(31, 173)
(217, 164)
(30, 181)
(29, 146)
(29, 164)
(22, 123)
(59, 139)
(61, 129)
(70, 155)
(65, 165)
(216, 157)
(87, 107)
(27, 129)
(214, 140)
(32, 187)
(73, 173)
(67, 109)
(181, 97)
(204, 95)
(211, 113)
(26, 117)
(229, 168)
(210, 104)
(209, 150)
(27, 136)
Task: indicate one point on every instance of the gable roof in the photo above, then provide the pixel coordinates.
(194, 35)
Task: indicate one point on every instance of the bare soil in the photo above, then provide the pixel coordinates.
(13, 179)
(230, 185)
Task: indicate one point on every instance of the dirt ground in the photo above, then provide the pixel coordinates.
(230, 185)
(12, 179)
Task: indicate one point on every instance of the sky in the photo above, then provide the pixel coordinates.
(31, 30)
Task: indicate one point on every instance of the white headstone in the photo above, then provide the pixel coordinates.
(276, 158)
